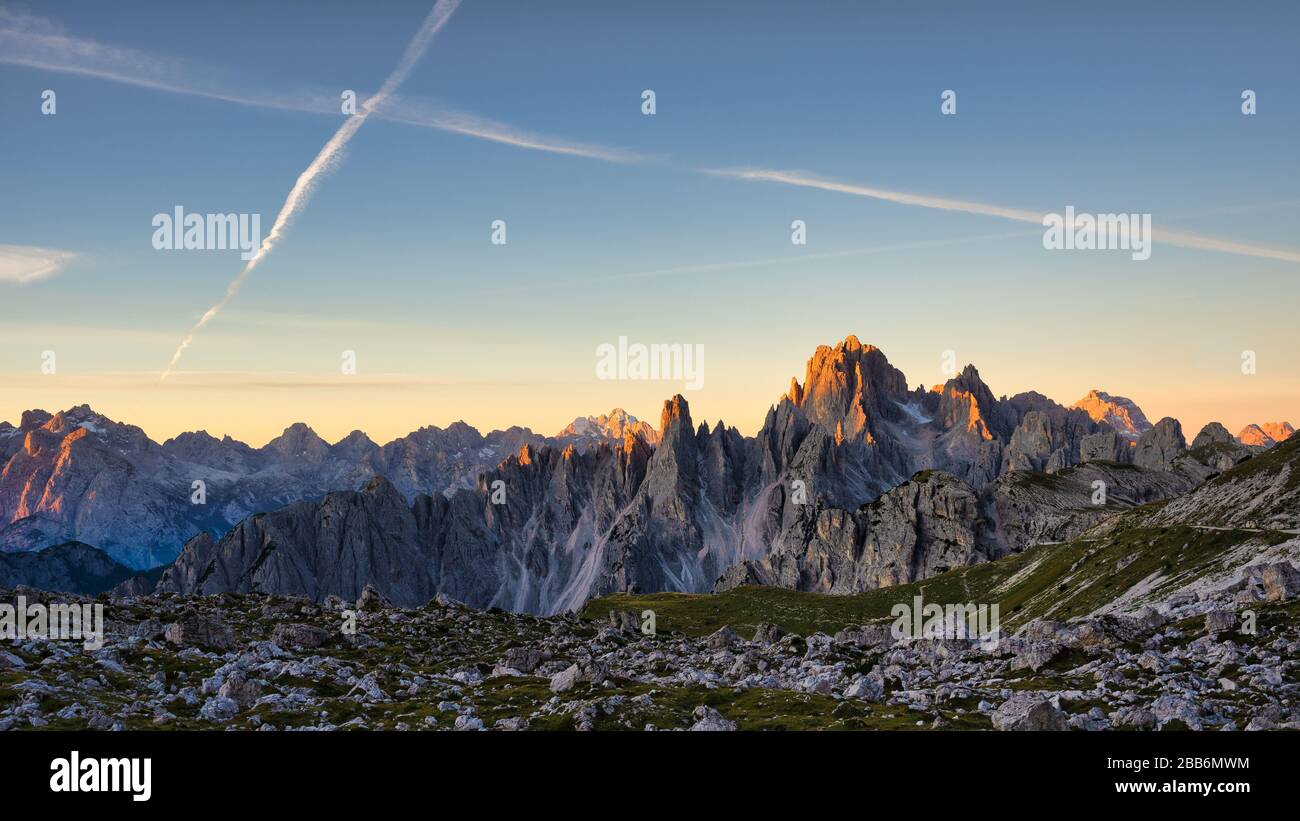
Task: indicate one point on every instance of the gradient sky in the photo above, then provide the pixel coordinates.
(1105, 107)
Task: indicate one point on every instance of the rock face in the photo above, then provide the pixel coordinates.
(1211, 434)
(334, 547)
(1023, 509)
(1105, 446)
(1218, 449)
(820, 498)
(1158, 447)
(77, 475)
(922, 527)
(935, 522)
(1051, 438)
(1260, 492)
(1117, 412)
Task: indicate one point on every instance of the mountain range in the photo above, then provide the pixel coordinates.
(854, 481)
(78, 475)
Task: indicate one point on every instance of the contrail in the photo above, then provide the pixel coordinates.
(798, 178)
(325, 162)
(733, 265)
(36, 42)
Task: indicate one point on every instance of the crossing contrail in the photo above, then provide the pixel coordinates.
(35, 42)
(325, 161)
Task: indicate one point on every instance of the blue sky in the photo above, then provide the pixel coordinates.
(1108, 108)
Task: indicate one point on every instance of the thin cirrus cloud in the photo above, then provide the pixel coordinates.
(22, 264)
(806, 180)
(258, 381)
(765, 262)
(36, 42)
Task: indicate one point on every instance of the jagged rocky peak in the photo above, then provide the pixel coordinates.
(201, 448)
(674, 467)
(1050, 437)
(1265, 434)
(191, 440)
(1033, 445)
(84, 417)
(1278, 431)
(676, 414)
(67, 427)
(80, 416)
(1216, 449)
(1212, 434)
(385, 491)
(298, 442)
(610, 427)
(849, 386)
(966, 403)
(33, 419)
(796, 391)
(525, 456)
(1158, 446)
(354, 445)
(1119, 412)
(458, 432)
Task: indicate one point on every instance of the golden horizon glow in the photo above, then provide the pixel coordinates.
(256, 407)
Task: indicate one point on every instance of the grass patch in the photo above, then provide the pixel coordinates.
(1059, 581)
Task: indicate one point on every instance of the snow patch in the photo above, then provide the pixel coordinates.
(913, 411)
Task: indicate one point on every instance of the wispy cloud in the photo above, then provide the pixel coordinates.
(806, 180)
(789, 260)
(28, 263)
(135, 381)
(429, 114)
(1224, 246)
(37, 42)
(325, 162)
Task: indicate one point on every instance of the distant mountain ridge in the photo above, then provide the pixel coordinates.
(854, 480)
(1119, 412)
(78, 475)
(609, 427)
(541, 524)
(1265, 435)
(71, 567)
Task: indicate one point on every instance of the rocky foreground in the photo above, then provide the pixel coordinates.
(255, 662)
